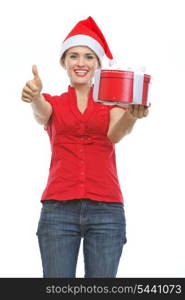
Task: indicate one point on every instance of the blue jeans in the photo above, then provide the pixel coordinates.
(61, 226)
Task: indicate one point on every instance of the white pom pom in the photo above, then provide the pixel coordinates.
(112, 62)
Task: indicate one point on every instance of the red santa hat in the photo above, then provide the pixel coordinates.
(87, 33)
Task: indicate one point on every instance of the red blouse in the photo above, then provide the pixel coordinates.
(83, 162)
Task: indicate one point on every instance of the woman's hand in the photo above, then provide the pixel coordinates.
(138, 111)
(32, 89)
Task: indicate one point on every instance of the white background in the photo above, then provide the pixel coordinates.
(150, 160)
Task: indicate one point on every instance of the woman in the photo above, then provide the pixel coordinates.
(82, 198)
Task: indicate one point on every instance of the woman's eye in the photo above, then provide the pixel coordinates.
(72, 56)
(75, 56)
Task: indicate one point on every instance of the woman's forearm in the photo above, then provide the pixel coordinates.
(122, 127)
(41, 108)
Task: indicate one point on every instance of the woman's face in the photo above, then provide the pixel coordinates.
(80, 63)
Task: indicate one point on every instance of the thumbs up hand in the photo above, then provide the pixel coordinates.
(32, 89)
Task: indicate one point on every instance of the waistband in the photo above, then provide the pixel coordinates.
(52, 201)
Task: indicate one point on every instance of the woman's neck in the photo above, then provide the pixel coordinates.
(82, 91)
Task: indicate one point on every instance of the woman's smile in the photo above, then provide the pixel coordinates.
(81, 72)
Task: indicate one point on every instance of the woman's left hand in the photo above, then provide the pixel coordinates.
(138, 111)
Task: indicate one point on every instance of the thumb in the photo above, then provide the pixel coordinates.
(35, 72)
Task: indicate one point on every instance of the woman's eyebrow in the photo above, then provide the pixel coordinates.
(78, 53)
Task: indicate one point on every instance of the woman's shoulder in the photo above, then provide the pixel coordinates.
(54, 98)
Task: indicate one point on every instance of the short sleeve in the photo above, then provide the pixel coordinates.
(118, 106)
(49, 98)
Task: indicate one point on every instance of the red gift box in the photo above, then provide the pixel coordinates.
(118, 86)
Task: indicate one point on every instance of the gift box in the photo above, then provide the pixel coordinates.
(121, 87)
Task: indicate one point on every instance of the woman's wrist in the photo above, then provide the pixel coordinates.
(130, 116)
(37, 98)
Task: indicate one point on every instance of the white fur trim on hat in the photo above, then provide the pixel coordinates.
(83, 40)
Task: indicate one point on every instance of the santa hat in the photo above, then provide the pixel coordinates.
(87, 33)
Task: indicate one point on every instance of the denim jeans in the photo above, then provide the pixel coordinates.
(61, 226)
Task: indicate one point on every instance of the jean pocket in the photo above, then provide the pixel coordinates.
(113, 207)
(50, 205)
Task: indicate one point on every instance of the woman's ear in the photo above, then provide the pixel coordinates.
(62, 62)
(99, 66)
(99, 63)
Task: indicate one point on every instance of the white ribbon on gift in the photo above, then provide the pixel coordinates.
(96, 84)
(137, 86)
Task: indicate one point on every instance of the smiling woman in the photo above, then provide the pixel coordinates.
(82, 197)
(80, 63)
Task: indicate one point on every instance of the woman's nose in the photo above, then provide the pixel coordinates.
(81, 62)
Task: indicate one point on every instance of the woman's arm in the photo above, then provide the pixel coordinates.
(42, 110)
(122, 122)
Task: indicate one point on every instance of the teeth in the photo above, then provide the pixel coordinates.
(82, 72)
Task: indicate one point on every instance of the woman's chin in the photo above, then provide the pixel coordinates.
(80, 82)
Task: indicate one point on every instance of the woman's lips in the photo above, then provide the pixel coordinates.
(81, 73)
